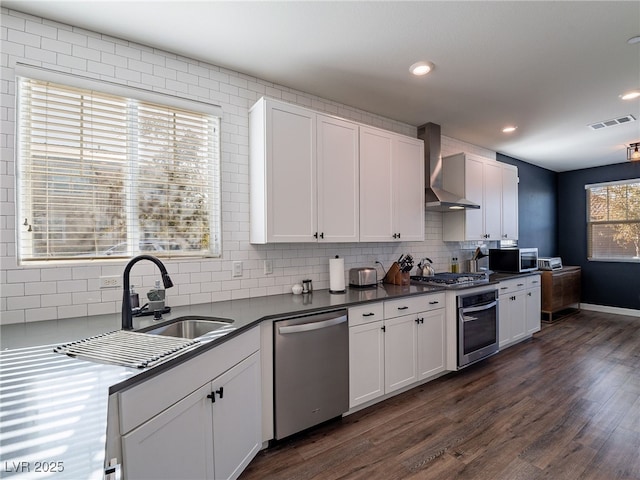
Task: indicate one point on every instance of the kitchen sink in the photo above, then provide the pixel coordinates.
(192, 327)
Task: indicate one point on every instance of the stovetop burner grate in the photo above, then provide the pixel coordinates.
(450, 279)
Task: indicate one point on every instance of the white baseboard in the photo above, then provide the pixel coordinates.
(606, 309)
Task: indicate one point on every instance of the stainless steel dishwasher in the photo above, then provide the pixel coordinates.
(311, 370)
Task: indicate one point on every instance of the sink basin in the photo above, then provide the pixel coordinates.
(191, 327)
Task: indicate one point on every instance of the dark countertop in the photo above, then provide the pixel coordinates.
(244, 312)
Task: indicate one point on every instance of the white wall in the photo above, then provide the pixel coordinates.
(32, 293)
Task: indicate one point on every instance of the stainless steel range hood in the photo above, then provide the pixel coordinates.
(436, 198)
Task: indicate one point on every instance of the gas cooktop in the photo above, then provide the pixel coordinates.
(451, 280)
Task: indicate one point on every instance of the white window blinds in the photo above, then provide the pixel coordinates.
(101, 175)
(613, 221)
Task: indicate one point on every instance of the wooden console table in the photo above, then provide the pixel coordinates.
(560, 293)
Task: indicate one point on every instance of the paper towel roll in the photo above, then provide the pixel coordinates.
(336, 275)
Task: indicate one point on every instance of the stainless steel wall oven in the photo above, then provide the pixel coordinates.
(477, 326)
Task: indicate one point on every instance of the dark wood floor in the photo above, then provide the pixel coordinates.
(563, 405)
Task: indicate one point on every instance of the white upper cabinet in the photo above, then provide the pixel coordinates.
(376, 212)
(338, 180)
(303, 175)
(319, 178)
(408, 188)
(488, 183)
(391, 186)
(509, 202)
(282, 173)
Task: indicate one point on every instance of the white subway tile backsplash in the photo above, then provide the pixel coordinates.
(38, 292)
(73, 37)
(55, 300)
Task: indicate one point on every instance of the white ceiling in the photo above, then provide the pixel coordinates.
(551, 68)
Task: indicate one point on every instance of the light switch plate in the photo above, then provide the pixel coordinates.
(237, 269)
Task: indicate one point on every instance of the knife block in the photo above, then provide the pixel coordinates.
(397, 277)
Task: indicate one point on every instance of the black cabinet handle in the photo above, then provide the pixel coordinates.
(370, 314)
(435, 302)
(422, 320)
(402, 308)
(395, 235)
(384, 329)
(212, 395)
(315, 235)
(322, 235)
(417, 320)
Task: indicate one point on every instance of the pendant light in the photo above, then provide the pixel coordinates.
(632, 152)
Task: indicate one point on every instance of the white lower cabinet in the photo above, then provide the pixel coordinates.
(431, 351)
(201, 419)
(366, 362)
(519, 310)
(394, 344)
(400, 352)
(212, 433)
(149, 451)
(533, 303)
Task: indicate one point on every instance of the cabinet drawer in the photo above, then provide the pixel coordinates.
(368, 313)
(433, 302)
(405, 306)
(507, 287)
(533, 281)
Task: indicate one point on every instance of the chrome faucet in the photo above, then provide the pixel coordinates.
(127, 317)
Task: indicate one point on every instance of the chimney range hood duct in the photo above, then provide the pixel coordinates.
(436, 198)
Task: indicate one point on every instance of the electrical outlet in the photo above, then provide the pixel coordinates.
(237, 269)
(268, 267)
(111, 281)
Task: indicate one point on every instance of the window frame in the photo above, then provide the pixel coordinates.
(591, 223)
(134, 95)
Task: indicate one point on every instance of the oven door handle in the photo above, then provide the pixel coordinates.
(486, 306)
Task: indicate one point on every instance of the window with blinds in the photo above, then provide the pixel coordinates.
(613, 220)
(102, 176)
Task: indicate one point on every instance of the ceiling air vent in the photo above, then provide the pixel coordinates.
(612, 122)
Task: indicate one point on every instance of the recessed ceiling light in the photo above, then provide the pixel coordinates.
(633, 40)
(509, 129)
(421, 68)
(630, 95)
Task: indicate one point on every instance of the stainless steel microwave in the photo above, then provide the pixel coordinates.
(513, 260)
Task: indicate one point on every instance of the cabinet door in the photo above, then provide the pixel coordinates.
(430, 337)
(492, 202)
(509, 202)
(408, 188)
(177, 443)
(291, 173)
(400, 352)
(237, 424)
(504, 321)
(366, 363)
(338, 180)
(474, 191)
(533, 310)
(518, 315)
(376, 213)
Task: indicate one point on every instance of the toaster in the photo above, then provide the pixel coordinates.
(550, 263)
(363, 277)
